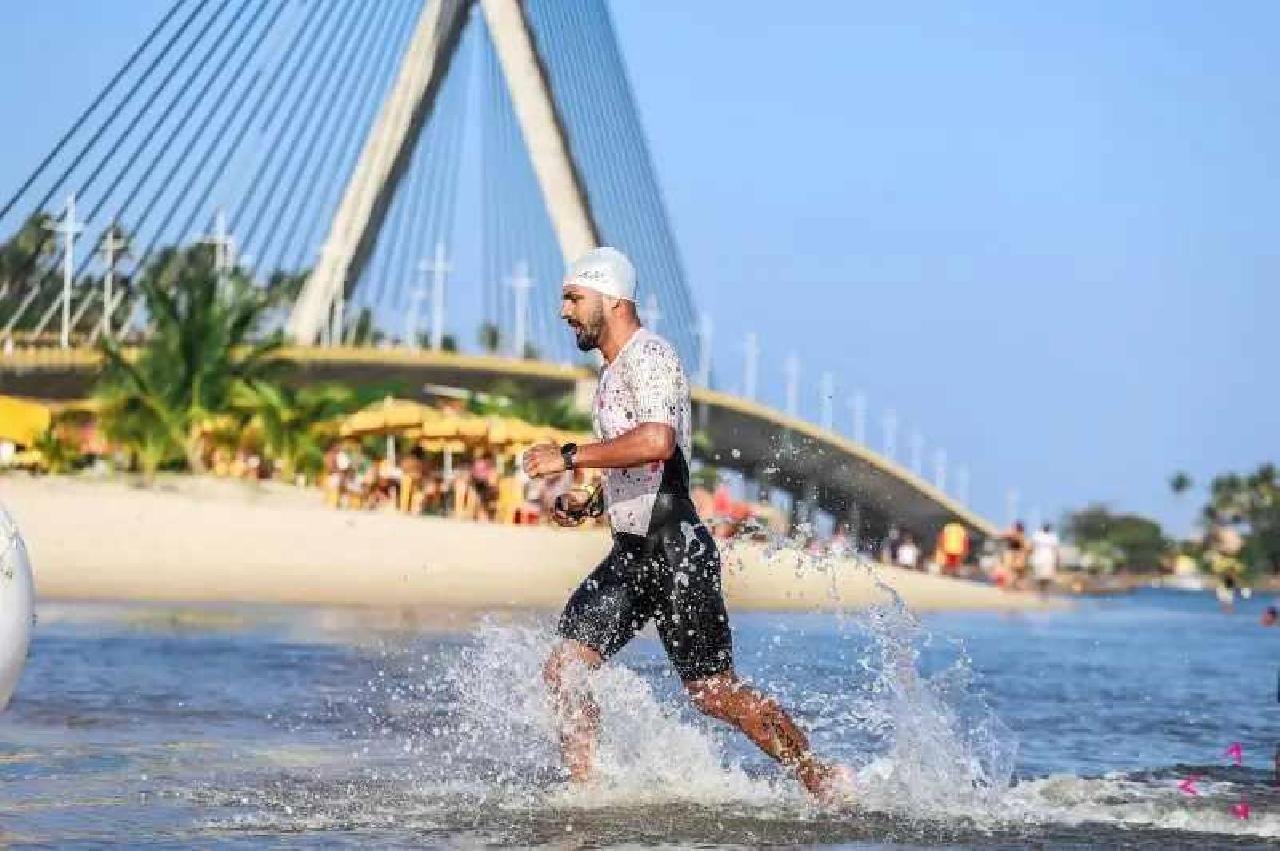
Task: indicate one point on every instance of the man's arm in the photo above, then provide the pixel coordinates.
(645, 443)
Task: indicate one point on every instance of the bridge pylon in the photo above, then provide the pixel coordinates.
(387, 149)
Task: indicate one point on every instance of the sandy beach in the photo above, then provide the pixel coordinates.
(205, 540)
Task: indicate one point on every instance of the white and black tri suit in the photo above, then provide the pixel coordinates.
(664, 563)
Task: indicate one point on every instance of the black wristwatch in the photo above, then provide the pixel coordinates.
(569, 452)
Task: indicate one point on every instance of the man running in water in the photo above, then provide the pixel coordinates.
(664, 563)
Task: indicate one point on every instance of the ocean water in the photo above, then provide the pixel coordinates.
(245, 727)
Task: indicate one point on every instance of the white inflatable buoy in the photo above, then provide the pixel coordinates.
(17, 606)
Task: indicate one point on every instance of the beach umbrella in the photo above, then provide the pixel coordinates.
(514, 433)
(389, 417)
(22, 420)
(456, 427)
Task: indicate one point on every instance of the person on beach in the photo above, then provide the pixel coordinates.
(664, 564)
(1015, 556)
(1044, 557)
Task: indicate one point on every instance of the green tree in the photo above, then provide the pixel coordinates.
(295, 424)
(490, 337)
(205, 356)
(1249, 505)
(1180, 482)
(26, 255)
(59, 453)
(285, 287)
(1139, 541)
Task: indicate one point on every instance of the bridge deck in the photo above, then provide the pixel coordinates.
(745, 435)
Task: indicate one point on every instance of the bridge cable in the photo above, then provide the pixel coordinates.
(373, 278)
(640, 197)
(97, 101)
(336, 93)
(194, 137)
(184, 123)
(58, 183)
(318, 49)
(151, 99)
(215, 175)
(421, 183)
(349, 147)
(408, 204)
(274, 203)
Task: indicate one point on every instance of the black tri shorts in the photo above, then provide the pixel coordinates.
(671, 575)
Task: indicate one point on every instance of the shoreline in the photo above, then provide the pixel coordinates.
(201, 540)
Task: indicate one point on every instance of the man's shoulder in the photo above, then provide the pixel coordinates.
(650, 345)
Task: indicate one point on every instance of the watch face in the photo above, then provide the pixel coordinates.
(567, 452)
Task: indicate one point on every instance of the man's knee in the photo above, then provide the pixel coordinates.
(565, 658)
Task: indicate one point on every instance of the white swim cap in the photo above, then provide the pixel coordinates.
(605, 270)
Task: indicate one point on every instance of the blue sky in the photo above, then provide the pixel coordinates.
(1045, 235)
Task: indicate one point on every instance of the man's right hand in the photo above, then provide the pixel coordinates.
(570, 509)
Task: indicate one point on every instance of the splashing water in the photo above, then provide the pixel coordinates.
(947, 750)
(927, 744)
(647, 751)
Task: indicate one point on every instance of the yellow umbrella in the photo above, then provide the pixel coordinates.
(22, 420)
(464, 427)
(443, 445)
(509, 430)
(390, 416)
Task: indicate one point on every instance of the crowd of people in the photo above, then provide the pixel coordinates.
(482, 486)
(1014, 561)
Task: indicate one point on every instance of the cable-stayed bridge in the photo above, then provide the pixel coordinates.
(414, 175)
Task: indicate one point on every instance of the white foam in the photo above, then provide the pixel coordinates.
(647, 752)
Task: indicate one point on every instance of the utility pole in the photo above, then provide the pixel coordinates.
(1011, 497)
(860, 418)
(337, 331)
(751, 365)
(69, 229)
(439, 268)
(828, 392)
(962, 485)
(940, 469)
(650, 314)
(705, 329)
(917, 452)
(792, 370)
(890, 424)
(521, 283)
(110, 246)
(415, 298)
(224, 250)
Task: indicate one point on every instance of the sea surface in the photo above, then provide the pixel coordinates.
(247, 727)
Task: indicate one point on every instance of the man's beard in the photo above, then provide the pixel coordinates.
(588, 333)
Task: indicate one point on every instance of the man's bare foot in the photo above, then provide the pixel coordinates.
(828, 783)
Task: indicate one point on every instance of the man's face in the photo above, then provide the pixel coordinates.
(583, 310)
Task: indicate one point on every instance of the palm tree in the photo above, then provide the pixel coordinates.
(205, 354)
(1180, 482)
(59, 453)
(22, 255)
(297, 424)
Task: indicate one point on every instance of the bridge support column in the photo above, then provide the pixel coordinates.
(378, 170)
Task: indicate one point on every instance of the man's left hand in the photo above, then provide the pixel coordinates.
(543, 459)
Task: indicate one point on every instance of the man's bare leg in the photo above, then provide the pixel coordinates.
(727, 698)
(576, 714)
